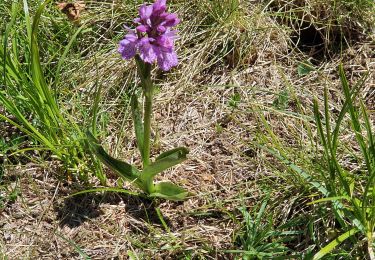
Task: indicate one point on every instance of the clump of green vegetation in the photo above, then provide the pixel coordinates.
(30, 95)
(349, 193)
(259, 237)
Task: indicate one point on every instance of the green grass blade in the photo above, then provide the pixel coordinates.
(327, 120)
(344, 110)
(317, 185)
(161, 218)
(307, 177)
(369, 197)
(117, 190)
(9, 26)
(324, 143)
(354, 117)
(332, 245)
(74, 245)
(95, 108)
(261, 211)
(47, 100)
(27, 20)
(329, 199)
(29, 127)
(64, 55)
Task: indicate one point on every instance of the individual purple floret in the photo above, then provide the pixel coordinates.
(153, 37)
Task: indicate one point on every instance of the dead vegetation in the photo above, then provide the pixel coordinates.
(324, 28)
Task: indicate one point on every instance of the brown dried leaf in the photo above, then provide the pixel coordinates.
(72, 10)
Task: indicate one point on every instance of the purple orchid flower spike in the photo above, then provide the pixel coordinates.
(160, 6)
(151, 41)
(128, 46)
(153, 37)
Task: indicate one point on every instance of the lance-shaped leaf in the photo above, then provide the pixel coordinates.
(137, 119)
(125, 170)
(170, 191)
(333, 244)
(163, 162)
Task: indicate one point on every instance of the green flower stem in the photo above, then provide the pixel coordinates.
(148, 90)
(147, 123)
(147, 133)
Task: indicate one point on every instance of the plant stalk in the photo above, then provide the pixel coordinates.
(148, 90)
(147, 123)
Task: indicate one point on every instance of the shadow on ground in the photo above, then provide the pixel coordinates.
(74, 211)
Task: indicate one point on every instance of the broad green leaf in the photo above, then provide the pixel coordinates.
(124, 169)
(137, 119)
(332, 245)
(171, 152)
(164, 161)
(170, 191)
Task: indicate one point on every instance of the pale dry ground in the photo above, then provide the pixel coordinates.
(191, 110)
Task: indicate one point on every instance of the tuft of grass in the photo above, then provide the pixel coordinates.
(351, 193)
(260, 237)
(29, 94)
(348, 192)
